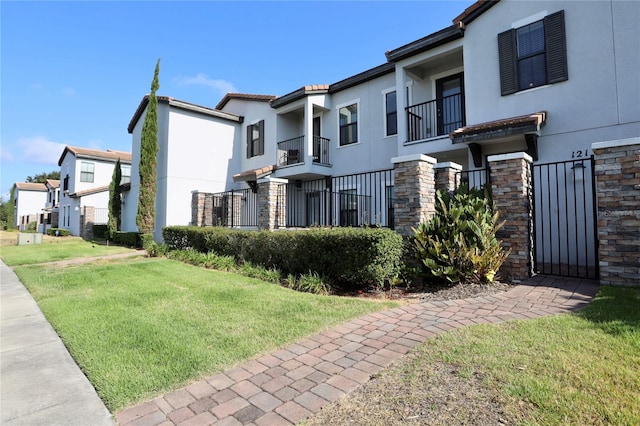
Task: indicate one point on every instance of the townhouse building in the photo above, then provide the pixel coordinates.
(548, 78)
(29, 198)
(84, 186)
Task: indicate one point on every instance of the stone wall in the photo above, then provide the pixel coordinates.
(87, 219)
(414, 192)
(447, 176)
(617, 170)
(272, 196)
(512, 192)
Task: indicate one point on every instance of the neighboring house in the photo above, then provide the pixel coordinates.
(85, 178)
(49, 217)
(547, 78)
(29, 201)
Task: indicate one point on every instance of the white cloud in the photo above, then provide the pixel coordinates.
(221, 86)
(38, 149)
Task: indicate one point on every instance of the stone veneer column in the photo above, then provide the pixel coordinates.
(511, 188)
(617, 170)
(447, 176)
(198, 206)
(272, 196)
(86, 222)
(414, 191)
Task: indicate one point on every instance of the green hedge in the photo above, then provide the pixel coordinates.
(100, 231)
(61, 232)
(129, 239)
(348, 257)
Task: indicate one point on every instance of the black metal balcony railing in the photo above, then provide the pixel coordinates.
(435, 118)
(291, 151)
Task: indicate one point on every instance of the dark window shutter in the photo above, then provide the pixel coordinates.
(249, 140)
(508, 62)
(260, 150)
(556, 47)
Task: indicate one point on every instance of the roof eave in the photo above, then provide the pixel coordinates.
(429, 42)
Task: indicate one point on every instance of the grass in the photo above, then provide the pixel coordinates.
(142, 327)
(578, 368)
(52, 249)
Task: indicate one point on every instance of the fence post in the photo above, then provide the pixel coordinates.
(447, 176)
(197, 208)
(87, 220)
(617, 171)
(272, 193)
(414, 191)
(512, 192)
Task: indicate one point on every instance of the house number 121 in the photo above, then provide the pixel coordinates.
(580, 153)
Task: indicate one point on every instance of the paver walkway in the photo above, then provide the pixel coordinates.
(290, 384)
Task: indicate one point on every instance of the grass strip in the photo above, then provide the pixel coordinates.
(140, 328)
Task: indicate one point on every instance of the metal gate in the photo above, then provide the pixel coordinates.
(564, 233)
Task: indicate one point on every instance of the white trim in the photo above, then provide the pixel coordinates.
(510, 156)
(616, 143)
(355, 102)
(448, 164)
(529, 19)
(269, 179)
(413, 157)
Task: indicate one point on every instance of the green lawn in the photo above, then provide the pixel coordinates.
(581, 368)
(54, 249)
(142, 327)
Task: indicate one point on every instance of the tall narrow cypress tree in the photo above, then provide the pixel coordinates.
(145, 218)
(115, 206)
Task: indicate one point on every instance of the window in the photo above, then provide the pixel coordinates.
(65, 183)
(533, 55)
(391, 113)
(348, 207)
(348, 124)
(255, 139)
(126, 174)
(86, 172)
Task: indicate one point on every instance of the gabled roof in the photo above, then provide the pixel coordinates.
(31, 186)
(244, 97)
(473, 11)
(96, 154)
(176, 103)
(314, 89)
(52, 183)
(89, 191)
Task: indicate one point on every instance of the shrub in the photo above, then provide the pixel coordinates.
(128, 239)
(60, 232)
(100, 231)
(312, 283)
(346, 257)
(459, 243)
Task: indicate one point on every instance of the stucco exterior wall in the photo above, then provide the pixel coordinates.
(28, 203)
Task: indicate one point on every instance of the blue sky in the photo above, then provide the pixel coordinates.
(73, 73)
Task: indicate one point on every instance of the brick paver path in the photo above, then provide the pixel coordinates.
(290, 384)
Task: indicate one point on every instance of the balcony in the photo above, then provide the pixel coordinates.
(434, 118)
(292, 152)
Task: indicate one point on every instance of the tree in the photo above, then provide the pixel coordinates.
(42, 177)
(145, 218)
(115, 206)
(7, 210)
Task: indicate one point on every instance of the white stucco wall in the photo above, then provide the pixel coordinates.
(599, 101)
(28, 203)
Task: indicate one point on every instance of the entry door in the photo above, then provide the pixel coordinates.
(450, 95)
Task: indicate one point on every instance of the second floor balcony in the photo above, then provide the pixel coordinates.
(434, 118)
(292, 151)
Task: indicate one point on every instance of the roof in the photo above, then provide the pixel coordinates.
(254, 174)
(473, 11)
(176, 103)
(362, 77)
(314, 89)
(31, 186)
(429, 42)
(500, 128)
(245, 97)
(96, 154)
(53, 183)
(89, 191)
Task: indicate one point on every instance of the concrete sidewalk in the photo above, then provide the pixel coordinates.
(40, 384)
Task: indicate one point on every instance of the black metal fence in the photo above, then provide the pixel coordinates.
(565, 234)
(351, 200)
(435, 118)
(473, 178)
(236, 208)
